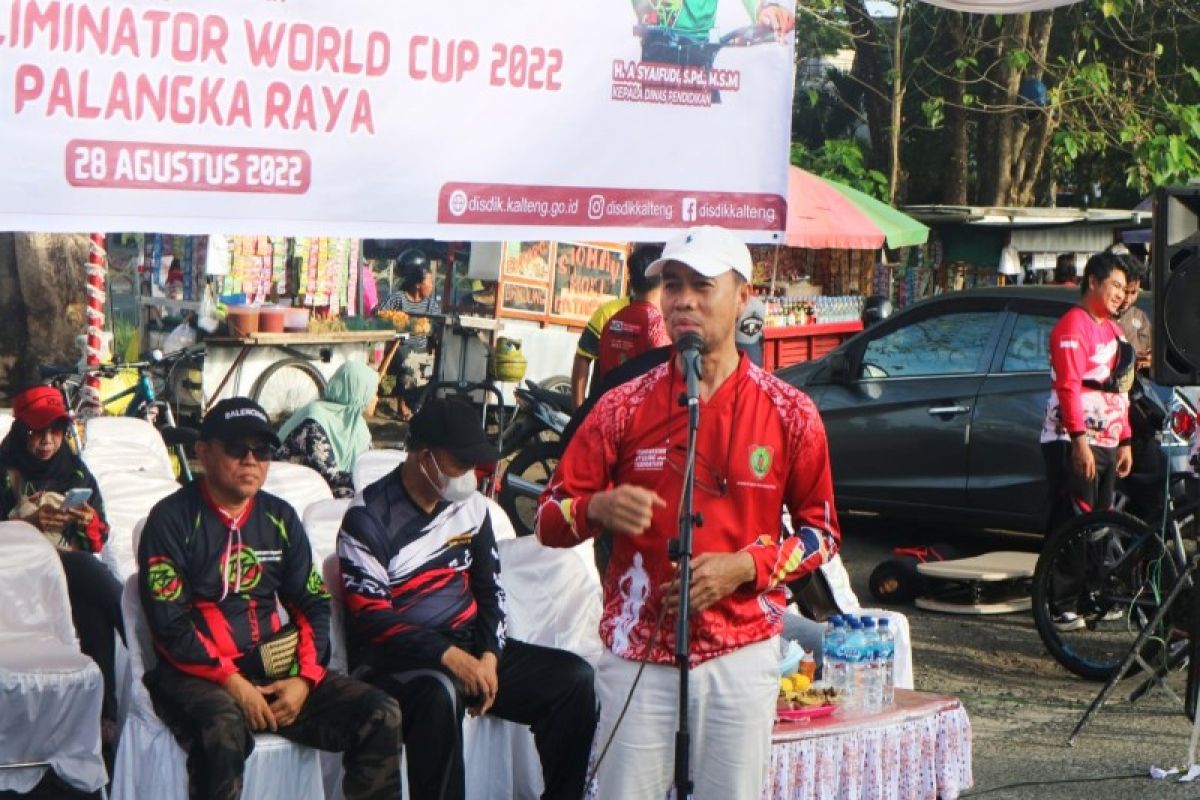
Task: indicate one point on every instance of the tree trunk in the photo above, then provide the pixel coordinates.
(1003, 112)
(49, 293)
(1036, 128)
(871, 71)
(954, 126)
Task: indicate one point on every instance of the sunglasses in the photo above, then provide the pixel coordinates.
(708, 480)
(238, 450)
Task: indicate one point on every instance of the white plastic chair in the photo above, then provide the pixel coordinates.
(50, 692)
(502, 527)
(296, 484)
(373, 465)
(124, 445)
(322, 521)
(150, 763)
(128, 499)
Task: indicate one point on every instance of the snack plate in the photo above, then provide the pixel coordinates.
(806, 713)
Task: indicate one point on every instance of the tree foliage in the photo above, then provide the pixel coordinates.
(1099, 100)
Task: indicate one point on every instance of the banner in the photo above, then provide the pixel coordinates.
(459, 119)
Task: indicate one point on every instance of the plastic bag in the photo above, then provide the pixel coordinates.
(208, 318)
(183, 336)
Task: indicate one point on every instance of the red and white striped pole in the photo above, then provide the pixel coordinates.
(96, 267)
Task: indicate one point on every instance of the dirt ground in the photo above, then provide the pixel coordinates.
(1022, 705)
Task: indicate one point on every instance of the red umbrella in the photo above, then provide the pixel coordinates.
(825, 214)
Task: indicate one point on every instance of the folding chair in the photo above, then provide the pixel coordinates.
(373, 465)
(322, 521)
(123, 445)
(50, 692)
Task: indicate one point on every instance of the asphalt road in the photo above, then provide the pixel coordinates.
(1022, 705)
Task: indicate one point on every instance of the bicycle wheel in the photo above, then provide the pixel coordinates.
(536, 462)
(287, 385)
(1112, 571)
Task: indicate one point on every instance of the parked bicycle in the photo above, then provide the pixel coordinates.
(1113, 570)
(149, 397)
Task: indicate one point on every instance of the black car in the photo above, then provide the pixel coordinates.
(934, 413)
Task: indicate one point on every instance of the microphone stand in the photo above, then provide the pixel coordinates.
(680, 550)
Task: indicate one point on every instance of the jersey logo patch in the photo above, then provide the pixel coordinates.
(761, 457)
(650, 459)
(463, 539)
(162, 578)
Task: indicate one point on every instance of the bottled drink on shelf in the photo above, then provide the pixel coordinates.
(852, 654)
(833, 669)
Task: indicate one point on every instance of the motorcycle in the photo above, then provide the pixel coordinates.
(532, 439)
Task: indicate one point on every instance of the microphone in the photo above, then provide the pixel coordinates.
(689, 346)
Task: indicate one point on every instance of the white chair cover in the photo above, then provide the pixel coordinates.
(149, 761)
(6, 421)
(322, 521)
(297, 484)
(373, 465)
(502, 527)
(128, 498)
(50, 693)
(123, 445)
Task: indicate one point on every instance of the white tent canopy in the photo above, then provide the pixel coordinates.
(1000, 6)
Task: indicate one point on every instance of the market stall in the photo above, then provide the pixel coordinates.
(277, 315)
(815, 286)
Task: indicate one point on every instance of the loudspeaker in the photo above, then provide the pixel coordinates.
(1176, 256)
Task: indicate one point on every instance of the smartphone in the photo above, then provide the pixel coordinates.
(75, 498)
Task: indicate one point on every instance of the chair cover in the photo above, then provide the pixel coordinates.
(6, 421)
(553, 594)
(149, 761)
(502, 527)
(128, 498)
(123, 445)
(297, 484)
(50, 693)
(373, 465)
(322, 521)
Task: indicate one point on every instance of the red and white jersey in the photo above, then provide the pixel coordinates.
(1084, 349)
(633, 330)
(761, 445)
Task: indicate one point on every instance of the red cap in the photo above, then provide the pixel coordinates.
(40, 407)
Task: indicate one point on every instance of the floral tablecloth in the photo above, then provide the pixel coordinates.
(917, 749)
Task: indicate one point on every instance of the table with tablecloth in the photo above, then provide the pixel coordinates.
(917, 748)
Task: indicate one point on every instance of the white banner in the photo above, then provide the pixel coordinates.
(457, 119)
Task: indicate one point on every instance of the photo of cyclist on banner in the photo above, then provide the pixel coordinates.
(680, 31)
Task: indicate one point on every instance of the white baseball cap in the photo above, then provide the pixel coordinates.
(707, 249)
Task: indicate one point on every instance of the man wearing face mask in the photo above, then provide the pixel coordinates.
(425, 615)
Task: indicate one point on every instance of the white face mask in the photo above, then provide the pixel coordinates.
(452, 490)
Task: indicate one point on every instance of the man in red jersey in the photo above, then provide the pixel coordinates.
(1086, 435)
(637, 327)
(760, 445)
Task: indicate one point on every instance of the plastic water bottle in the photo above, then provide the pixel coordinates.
(872, 689)
(833, 666)
(887, 652)
(852, 654)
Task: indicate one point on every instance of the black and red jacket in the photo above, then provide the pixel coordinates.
(211, 585)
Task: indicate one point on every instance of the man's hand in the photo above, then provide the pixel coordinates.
(1124, 460)
(491, 681)
(1082, 460)
(715, 576)
(624, 509)
(477, 675)
(254, 705)
(287, 697)
(778, 18)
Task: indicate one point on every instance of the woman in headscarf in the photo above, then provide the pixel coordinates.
(328, 435)
(37, 470)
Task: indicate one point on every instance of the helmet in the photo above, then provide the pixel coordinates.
(413, 265)
(875, 309)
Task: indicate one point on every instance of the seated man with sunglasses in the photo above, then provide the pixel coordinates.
(760, 446)
(216, 560)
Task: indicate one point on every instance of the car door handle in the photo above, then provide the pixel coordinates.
(938, 411)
